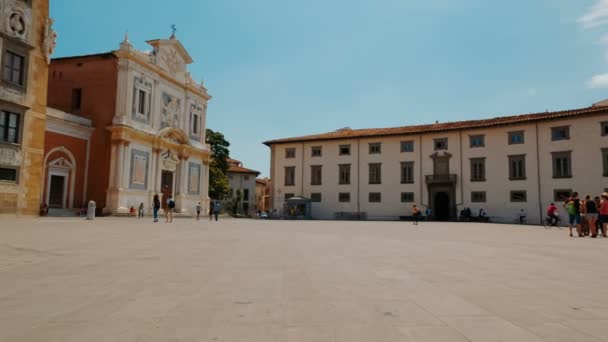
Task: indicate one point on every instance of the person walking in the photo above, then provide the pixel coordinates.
(170, 209)
(198, 211)
(427, 214)
(591, 214)
(140, 210)
(598, 223)
(603, 210)
(415, 214)
(217, 207)
(155, 207)
(573, 207)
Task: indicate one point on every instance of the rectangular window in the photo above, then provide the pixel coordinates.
(76, 99)
(478, 196)
(9, 127)
(344, 197)
(561, 195)
(604, 127)
(344, 174)
(441, 144)
(246, 195)
(290, 153)
(605, 161)
(8, 174)
(288, 196)
(375, 148)
(407, 146)
(195, 124)
(562, 164)
(141, 102)
(375, 173)
(14, 68)
(316, 151)
(560, 133)
(375, 197)
(290, 175)
(517, 167)
(316, 174)
(345, 150)
(315, 197)
(407, 197)
(516, 137)
(407, 172)
(519, 196)
(477, 140)
(478, 169)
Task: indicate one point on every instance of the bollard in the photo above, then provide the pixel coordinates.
(91, 210)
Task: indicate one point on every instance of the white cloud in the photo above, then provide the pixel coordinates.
(598, 81)
(597, 15)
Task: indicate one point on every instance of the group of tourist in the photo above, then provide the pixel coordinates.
(588, 215)
(214, 209)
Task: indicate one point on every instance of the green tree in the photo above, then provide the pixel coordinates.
(218, 182)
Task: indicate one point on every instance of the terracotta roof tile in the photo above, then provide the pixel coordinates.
(240, 169)
(447, 126)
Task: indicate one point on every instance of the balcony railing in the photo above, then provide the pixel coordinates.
(440, 179)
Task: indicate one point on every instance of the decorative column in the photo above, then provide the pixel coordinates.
(125, 162)
(119, 164)
(157, 169)
(183, 185)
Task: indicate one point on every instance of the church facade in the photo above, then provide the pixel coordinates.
(148, 119)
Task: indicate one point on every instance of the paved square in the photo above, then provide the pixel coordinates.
(123, 279)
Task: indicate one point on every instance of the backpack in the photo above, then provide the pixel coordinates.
(171, 203)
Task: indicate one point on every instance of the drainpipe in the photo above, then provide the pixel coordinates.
(421, 175)
(358, 178)
(302, 177)
(461, 179)
(540, 205)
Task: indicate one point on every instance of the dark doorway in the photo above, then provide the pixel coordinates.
(166, 186)
(56, 191)
(442, 206)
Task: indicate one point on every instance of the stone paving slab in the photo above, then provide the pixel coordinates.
(124, 279)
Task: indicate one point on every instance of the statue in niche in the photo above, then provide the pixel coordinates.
(17, 24)
(170, 111)
(50, 40)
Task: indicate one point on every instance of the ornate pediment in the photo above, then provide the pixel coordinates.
(60, 163)
(170, 55)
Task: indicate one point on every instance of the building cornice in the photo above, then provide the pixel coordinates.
(126, 134)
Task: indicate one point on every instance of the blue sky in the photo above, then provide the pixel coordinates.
(279, 68)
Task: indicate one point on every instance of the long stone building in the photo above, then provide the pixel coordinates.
(502, 165)
(27, 41)
(126, 125)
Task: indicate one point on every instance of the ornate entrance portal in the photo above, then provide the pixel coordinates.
(166, 187)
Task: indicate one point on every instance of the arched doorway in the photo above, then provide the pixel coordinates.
(59, 178)
(442, 206)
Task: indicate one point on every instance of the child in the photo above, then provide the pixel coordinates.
(140, 211)
(198, 211)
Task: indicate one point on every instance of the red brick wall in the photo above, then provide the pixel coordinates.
(97, 76)
(78, 148)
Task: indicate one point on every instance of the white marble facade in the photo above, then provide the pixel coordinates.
(158, 132)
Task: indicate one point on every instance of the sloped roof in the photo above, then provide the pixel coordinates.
(447, 126)
(240, 169)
